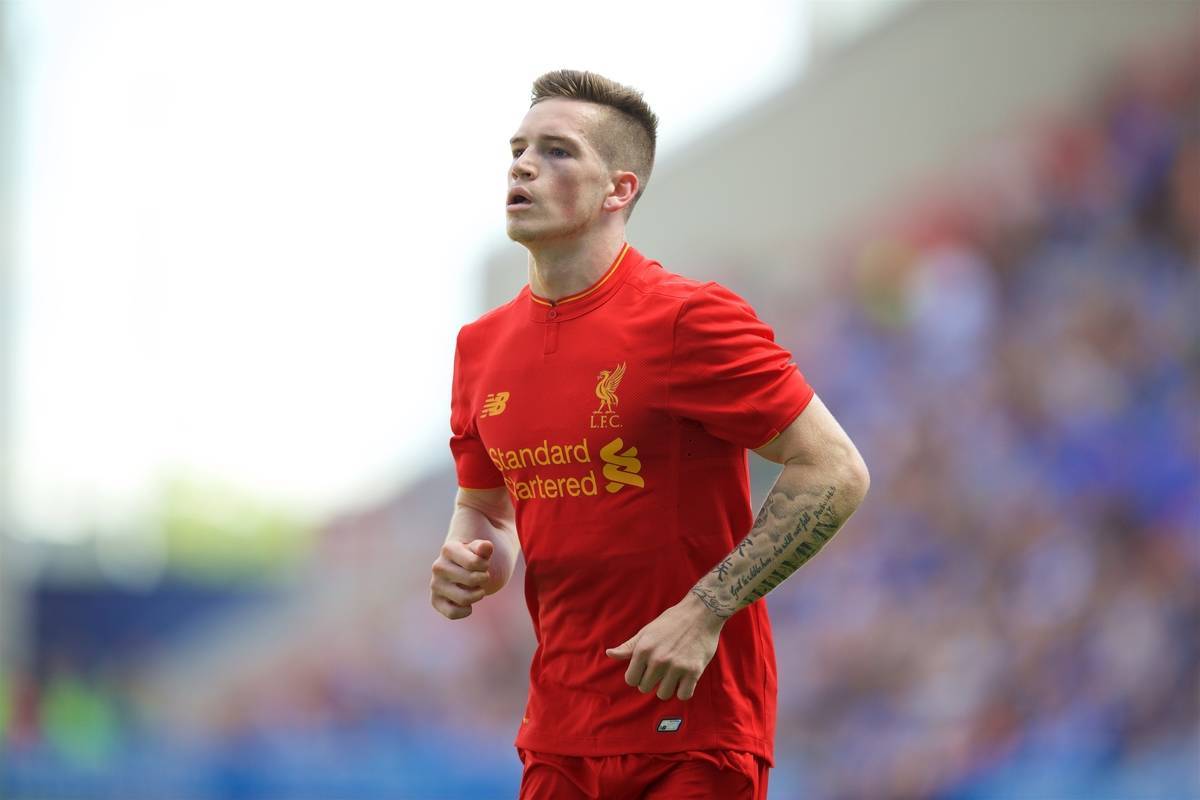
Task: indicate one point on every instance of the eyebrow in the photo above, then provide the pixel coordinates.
(550, 137)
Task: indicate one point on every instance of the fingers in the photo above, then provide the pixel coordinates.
(462, 555)
(622, 651)
(459, 575)
(667, 688)
(636, 668)
(653, 674)
(458, 594)
(645, 671)
(452, 573)
(669, 654)
(671, 680)
(450, 610)
(482, 548)
(457, 584)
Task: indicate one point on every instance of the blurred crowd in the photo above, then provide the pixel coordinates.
(1013, 613)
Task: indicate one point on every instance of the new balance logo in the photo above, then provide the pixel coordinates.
(495, 404)
(669, 725)
(621, 469)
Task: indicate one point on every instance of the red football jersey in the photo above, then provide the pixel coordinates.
(619, 420)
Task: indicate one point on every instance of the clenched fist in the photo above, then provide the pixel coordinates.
(459, 574)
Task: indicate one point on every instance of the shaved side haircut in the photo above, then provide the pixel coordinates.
(626, 132)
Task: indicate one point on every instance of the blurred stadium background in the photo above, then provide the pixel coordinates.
(977, 224)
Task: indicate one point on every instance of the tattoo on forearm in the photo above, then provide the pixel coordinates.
(709, 598)
(791, 527)
(723, 568)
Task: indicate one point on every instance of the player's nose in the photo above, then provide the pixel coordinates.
(523, 166)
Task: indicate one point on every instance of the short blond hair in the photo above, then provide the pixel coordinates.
(626, 136)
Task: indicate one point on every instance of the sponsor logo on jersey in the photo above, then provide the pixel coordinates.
(669, 725)
(495, 404)
(553, 470)
(605, 415)
(541, 455)
(621, 469)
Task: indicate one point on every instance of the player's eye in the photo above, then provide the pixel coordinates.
(558, 152)
(517, 152)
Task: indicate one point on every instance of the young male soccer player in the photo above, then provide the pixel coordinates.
(600, 425)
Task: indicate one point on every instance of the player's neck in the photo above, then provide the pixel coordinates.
(561, 269)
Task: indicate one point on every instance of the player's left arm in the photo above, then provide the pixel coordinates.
(824, 479)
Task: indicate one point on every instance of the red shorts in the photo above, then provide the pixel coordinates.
(689, 775)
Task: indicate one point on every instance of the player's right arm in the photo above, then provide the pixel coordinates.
(479, 554)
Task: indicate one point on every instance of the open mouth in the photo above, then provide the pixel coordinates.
(519, 198)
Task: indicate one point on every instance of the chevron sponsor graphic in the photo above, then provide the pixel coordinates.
(621, 469)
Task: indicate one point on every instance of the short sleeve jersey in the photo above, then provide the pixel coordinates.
(619, 419)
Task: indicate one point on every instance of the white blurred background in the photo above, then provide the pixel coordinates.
(244, 234)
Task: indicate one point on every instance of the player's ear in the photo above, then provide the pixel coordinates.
(624, 190)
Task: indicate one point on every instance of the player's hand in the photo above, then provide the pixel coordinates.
(672, 651)
(459, 574)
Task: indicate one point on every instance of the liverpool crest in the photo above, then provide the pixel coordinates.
(605, 415)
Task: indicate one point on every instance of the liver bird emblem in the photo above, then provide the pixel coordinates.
(606, 389)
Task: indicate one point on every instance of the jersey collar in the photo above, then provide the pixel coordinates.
(578, 304)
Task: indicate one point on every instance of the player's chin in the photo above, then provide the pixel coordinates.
(521, 232)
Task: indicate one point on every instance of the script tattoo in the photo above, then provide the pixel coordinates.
(791, 527)
(710, 599)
